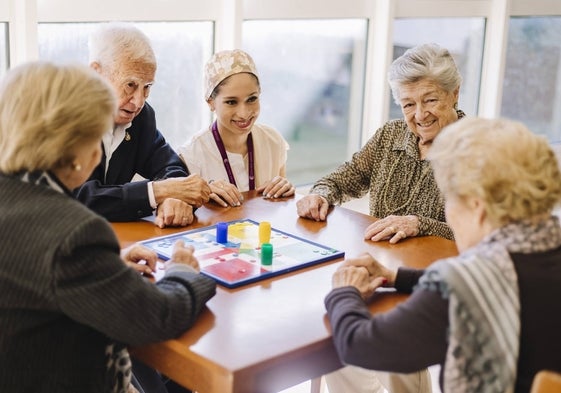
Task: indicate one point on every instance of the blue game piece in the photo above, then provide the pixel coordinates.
(222, 232)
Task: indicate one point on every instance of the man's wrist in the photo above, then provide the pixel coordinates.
(151, 196)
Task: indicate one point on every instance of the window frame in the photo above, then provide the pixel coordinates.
(228, 16)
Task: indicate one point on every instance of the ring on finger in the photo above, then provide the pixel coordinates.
(392, 229)
(402, 234)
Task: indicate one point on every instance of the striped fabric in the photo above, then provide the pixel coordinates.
(484, 310)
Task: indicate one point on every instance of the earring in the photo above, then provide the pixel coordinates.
(77, 167)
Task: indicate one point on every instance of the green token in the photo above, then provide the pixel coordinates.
(266, 254)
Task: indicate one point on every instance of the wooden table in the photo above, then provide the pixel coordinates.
(273, 334)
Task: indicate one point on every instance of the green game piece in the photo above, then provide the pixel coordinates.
(267, 254)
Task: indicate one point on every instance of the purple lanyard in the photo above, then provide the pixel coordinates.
(226, 162)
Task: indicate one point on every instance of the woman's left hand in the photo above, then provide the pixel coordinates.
(277, 187)
(394, 228)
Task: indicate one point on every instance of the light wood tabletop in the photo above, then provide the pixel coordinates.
(273, 334)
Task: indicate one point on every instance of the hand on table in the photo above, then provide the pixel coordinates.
(277, 187)
(174, 213)
(140, 258)
(356, 277)
(394, 228)
(374, 268)
(225, 193)
(364, 273)
(192, 189)
(184, 254)
(313, 206)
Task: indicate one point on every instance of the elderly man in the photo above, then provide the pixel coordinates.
(123, 55)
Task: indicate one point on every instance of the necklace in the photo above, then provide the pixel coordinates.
(389, 211)
(226, 162)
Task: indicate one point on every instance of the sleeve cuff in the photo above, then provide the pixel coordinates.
(406, 279)
(151, 197)
(174, 267)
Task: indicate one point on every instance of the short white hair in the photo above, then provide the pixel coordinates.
(427, 61)
(116, 41)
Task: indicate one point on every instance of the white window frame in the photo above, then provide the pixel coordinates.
(228, 16)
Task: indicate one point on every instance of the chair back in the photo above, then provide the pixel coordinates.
(546, 382)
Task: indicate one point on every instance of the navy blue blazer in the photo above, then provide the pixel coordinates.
(147, 153)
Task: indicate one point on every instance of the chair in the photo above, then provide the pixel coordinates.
(546, 382)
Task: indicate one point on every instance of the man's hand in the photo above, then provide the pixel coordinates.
(192, 189)
(174, 213)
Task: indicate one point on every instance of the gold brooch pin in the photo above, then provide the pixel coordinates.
(127, 136)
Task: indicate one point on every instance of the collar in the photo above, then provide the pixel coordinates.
(45, 179)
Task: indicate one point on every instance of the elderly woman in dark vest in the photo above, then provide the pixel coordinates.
(479, 315)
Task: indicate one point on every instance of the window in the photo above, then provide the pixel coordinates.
(311, 72)
(3, 48)
(181, 49)
(464, 39)
(532, 81)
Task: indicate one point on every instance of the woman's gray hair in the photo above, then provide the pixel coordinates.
(427, 61)
(114, 41)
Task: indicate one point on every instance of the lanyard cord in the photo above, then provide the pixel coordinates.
(226, 162)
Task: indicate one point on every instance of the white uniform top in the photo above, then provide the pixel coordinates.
(201, 155)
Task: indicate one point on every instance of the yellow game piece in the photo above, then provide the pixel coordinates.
(264, 232)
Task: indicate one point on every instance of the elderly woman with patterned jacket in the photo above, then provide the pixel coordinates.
(392, 167)
(480, 314)
(425, 83)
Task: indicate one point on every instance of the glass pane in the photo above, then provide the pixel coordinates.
(311, 71)
(3, 48)
(464, 39)
(532, 81)
(181, 49)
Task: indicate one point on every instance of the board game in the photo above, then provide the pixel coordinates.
(241, 255)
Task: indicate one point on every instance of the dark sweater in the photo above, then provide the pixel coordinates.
(147, 154)
(413, 335)
(66, 295)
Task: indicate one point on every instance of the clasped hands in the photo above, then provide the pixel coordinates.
(364, 273)
(176, 197)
